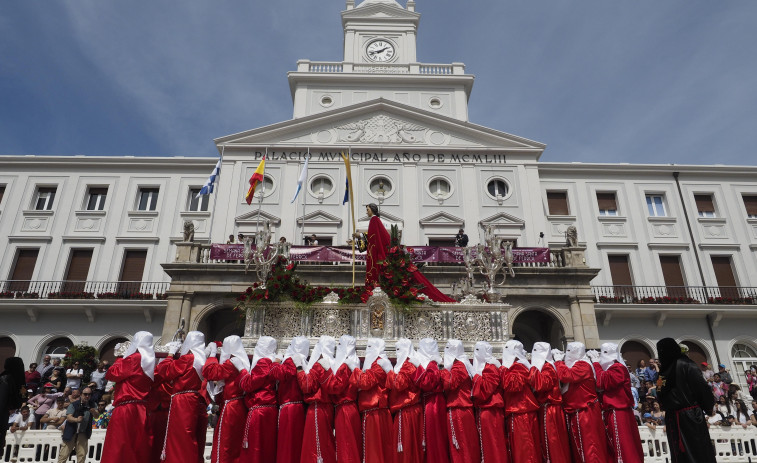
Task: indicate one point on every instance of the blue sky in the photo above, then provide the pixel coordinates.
(596, 80)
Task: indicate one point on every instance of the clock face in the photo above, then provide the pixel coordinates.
(380, 50)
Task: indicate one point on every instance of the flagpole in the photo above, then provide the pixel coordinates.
(352, 210)
(262, 193)
(304, 202)
(215, 200)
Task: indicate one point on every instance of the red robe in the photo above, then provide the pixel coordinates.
(128, 423)
(617, 411)
(378, 243)
(187, 421)
(587, 431)
(522, 418)
(405, 404)
(157, 415)
(490, 414)
(342, 387)
(227, 436)
(291, 412)
(373, 402)
(318, 438)
(259, 440)
(436, 441)
(555, 445)
(464, 445)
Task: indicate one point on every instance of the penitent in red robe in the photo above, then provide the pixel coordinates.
(617, 411)
(187, 421)
(157, 416)
(435, 439)
(585, 426)
(291, 413)
(373, 403)
(128, 423)
(378, 243)
(461, 424)
(227, 436)
(490, 414)
(259, 440)
(522, 420)
(555, 445)
(342, 387)
(318, 438)
(405, 404)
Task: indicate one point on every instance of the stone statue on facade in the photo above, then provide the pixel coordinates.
(571, 237)
(189, 231)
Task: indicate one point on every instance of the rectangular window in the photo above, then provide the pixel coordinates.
(750, 203)
(132, 271)
(656, 205)
(2, 193)
(78, 269)
(96, 198)
(673, 275)
(620, 273)
(43, 201)
(557, 202)
(705, 206)
(608, 204)
(726, 280)
(23, 269)
(196, 204)
(147, 199)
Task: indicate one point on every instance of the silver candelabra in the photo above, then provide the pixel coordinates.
(490, 259)
(262, 260)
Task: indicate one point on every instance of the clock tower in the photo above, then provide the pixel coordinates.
(380, 62)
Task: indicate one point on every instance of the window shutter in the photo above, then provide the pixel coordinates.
(78, 269)
(673, 276)
(26, 259)
(750, 202)
(132, 270)
(620, 272)
(704, 203)
(724, 276)
(557, 202)
(607, 202)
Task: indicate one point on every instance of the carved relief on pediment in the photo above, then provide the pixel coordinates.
(381, 129)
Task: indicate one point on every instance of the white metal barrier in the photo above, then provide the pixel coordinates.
(734, 444)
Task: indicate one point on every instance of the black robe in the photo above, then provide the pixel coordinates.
(684, 395)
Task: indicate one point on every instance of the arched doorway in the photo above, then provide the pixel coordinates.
(108, 350)
(633, 352)
(221, 323)
(697, 354)
(7, 349)
(534, 325)
(58, 347)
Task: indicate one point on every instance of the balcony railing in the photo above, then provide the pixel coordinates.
(344, 67)
(26, 289)
(675, 295)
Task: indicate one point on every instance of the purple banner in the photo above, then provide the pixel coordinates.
(448, 255)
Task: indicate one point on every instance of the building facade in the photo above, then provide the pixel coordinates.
(94, 244)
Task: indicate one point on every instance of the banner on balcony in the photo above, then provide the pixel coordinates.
(440, 254)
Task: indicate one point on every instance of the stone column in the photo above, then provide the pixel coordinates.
(584, 321)
(575, 317)
(179, 306)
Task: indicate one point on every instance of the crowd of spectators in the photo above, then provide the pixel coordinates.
(731, 403)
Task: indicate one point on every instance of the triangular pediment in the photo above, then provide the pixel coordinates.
(380, 124)
(502, 220)
(442, 219)
(257, 217)
(379, 10)
(319, 218)
(385, 217)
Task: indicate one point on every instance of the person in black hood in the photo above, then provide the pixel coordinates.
(11, 381)
(684, 395)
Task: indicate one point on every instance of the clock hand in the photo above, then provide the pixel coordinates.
(378, 51)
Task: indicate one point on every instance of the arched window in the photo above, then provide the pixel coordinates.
(633, 352)
(742, 357)
(108, 350)
(696, 353)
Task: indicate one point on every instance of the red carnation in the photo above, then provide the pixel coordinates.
(290, 266)
(412, 268)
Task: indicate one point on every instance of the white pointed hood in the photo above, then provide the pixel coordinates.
(576, 352)
(428, 351)
(541, 354)
(609, 354)
(325, 347)
(142, 342)
(298, 350)
(233, 347)
(513, 351)
(454, 350)
(374, 350)
(404, 349)
(264, 348)
(195, 343)
(345, 350)
(483, 353)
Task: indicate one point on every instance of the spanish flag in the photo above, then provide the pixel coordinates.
(256, 178)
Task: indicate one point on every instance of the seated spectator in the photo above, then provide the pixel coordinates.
(719, 388)
(24, 420)
(734, 393)
(42, 402)
(74, 376)
(725, 375)
(104, 415)
(45, 368)
(651, 390)
(649, 421)
(741, 414)
(32, 378)
(49, 372)
(657, 414)
(753, 416)
(634, 379)
(720, 413)
(55, 417)
(640, 367)
(751, 381)
(98, 382)
(56, 379)
(652, 371)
